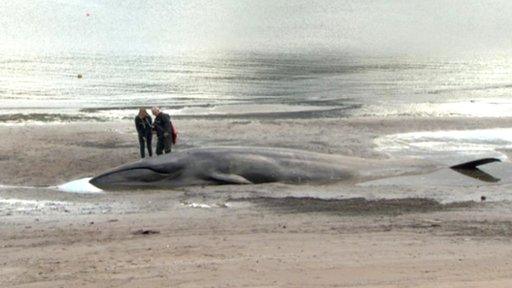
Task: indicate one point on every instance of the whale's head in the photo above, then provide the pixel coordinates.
(151, 173)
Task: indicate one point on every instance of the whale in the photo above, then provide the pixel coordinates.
(257, 165)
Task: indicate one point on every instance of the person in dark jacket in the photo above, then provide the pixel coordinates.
(144, 125)
(163, 128)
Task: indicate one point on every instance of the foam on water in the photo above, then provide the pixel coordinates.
(21, 205)
(14, 187)
(448, 143)
(79, 186)
(464, 108)
(198, 205)
(204, 205)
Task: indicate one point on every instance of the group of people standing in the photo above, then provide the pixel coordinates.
(165, 131)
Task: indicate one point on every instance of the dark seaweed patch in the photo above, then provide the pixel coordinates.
(354, 206)
(105, 145)
(48, 117)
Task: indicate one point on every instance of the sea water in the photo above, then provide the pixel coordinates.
(47, 89)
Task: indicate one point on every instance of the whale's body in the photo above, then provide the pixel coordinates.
(253, 165)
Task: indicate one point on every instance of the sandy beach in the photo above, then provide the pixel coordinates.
(228, 236)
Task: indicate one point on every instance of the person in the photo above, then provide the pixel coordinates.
(144, 125)
(164, 131)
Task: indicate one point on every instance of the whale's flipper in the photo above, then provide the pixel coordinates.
(470, 169)
(229, 178)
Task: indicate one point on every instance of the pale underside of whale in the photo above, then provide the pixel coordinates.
(256, 165)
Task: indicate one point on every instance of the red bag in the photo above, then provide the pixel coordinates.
(174, 134)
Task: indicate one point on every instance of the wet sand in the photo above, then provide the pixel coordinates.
(238, 240)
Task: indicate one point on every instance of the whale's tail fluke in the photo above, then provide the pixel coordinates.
(470, 169)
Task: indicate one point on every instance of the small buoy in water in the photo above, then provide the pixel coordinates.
(483, 198)
(79, 76)
(87, 14)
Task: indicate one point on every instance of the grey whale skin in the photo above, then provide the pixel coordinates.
(255, 165)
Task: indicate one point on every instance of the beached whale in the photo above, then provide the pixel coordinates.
(255, 165)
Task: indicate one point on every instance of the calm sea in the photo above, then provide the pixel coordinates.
(247, 85)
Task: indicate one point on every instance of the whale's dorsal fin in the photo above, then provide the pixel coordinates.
(470, 169)
(229, 178)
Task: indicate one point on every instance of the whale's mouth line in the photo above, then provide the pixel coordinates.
(131, 169)
(141, 177)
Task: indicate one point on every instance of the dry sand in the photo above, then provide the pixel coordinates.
(80, 240)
